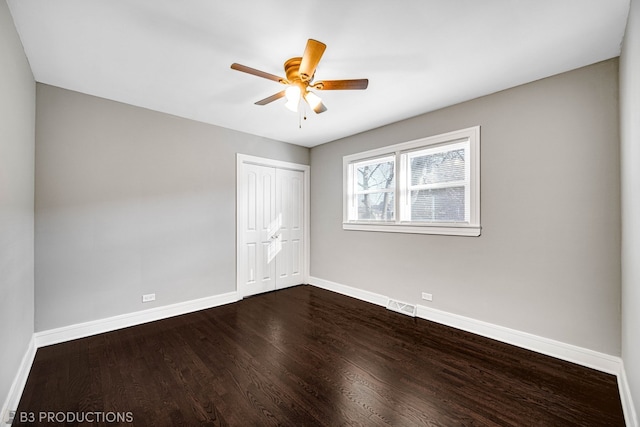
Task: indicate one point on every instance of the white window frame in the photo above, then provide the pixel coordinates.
(353, 187)
(402, 152)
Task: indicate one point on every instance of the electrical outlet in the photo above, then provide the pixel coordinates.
(427, 296)
(148, 297)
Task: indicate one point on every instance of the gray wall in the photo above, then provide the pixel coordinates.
(630, 154)
(548, 259)
(129, 202)
(17, 121)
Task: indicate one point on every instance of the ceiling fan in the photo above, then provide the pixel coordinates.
(300, 72)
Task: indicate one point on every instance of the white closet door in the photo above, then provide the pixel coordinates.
(272, 229)
(258, 229)
(290, 208)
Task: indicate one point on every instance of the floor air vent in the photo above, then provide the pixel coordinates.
(401, 307)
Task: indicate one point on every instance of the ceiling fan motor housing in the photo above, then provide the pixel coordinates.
(292, 70)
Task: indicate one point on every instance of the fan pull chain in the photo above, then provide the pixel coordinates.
(302, 114)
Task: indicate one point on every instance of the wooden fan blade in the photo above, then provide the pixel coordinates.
(357, 84)
(310, 58)
(271, 98)
(258, 73)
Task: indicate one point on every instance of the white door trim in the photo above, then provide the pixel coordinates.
(242, 159)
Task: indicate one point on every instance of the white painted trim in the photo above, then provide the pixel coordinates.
(568, 352)
(585, 357)
(630, 415)
(460, 230)
(261, 161)
(571, 353)
(563, 351)
(19, 381)
(398, 152)
(81, 330)
(349, 291)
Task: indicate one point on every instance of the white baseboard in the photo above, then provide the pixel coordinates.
(349, 291)
(571, 353)
(585, 357)
(630, 415)
(568, 352)
(20, 380)
(81, 330)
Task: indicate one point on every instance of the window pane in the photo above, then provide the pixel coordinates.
(376, 176)
(376, 207)
(439, 205)
(439, 167)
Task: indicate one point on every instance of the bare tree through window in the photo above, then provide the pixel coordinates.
(376, 184)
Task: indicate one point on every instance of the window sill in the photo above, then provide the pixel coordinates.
(449, 230)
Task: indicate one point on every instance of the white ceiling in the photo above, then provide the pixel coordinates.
(419, 55)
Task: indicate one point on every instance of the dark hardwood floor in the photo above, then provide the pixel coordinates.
(304, 356)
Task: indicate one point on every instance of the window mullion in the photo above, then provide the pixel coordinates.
(404, 208)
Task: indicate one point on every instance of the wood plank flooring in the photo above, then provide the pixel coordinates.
(304, 356)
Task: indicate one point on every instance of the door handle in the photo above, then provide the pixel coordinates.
(275, 236)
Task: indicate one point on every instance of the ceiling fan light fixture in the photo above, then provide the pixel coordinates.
(313, 100)
(292, 105)
(293, 98)
(300, 72)
(292, 93)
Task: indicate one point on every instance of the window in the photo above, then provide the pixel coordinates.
(374, 189)
(427, 186)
